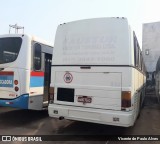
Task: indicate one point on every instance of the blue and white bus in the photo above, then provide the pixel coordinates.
(24, 71)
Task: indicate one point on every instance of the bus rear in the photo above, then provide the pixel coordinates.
(11, 70)
(91, 76)
(24, 71)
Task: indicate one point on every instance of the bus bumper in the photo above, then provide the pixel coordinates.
(19, 102)
(101, 116)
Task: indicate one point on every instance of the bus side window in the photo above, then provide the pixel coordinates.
(37, 57)
(136, 55)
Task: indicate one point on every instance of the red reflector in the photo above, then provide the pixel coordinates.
(126, 103)
(9, 102)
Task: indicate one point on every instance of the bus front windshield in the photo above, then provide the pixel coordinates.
(9, 49)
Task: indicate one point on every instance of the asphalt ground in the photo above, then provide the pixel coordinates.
(26, 122)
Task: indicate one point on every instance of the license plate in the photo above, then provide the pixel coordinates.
(84, 99)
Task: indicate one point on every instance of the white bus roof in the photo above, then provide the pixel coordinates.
(32, 37)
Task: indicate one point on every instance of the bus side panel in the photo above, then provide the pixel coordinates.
(24, 77)
(36, 90)
(139, 87)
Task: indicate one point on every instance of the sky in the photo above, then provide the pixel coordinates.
(41, 17)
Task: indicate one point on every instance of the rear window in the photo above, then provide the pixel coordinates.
(9, 49)
(93, 42)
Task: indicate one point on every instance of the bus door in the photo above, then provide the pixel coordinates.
(47, 76)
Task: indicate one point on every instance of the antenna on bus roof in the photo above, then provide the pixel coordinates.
(16, 27)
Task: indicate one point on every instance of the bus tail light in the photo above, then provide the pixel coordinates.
(126, 99)
(51, 94)
(16, 82)
(16, 88)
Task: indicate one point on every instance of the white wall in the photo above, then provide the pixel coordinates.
(151, 41)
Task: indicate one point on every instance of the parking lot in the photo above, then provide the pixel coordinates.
(24, 122)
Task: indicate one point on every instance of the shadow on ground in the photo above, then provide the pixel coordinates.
(16, 117)
(84, 128)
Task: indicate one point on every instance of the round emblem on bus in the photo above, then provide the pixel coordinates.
(68, 77)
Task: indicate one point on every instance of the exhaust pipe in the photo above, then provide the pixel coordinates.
(61, 118)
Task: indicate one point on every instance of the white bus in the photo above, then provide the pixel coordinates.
(24, 71)
(157, 79)
(97, 72)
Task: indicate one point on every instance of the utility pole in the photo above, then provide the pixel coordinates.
(16, 27)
